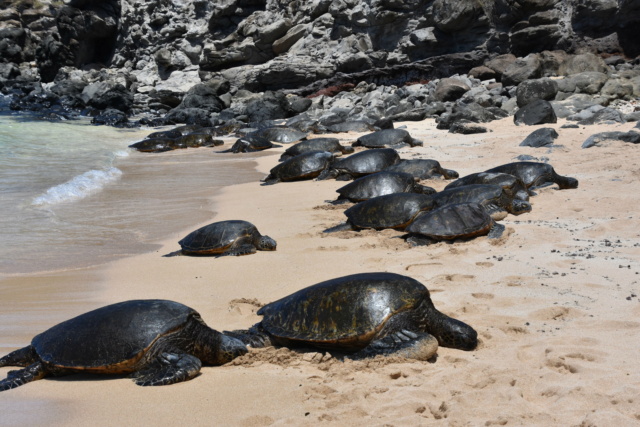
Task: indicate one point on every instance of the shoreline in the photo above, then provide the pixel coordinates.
(549, 301)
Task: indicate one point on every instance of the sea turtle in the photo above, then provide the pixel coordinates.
(493, 197)
(154, 145)
(535, 174)
(224, 238)
(391, 211)
(509, 183)
(463, 220)
(250, 143)
(159, 342)
(331, 145)
(304, 166)
(350, 126)
(422, 169)
(387, 138)
(175, 132)
(281, 134)
(362, 315)
(379, 184)
(197, 139)
(360, 164)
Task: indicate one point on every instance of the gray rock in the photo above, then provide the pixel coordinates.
(584, 62)
(540, 138)
(589, 82)
(522, 69)
(596, 139)
(603, 115)
(450, 89)
(529, 90)
(535, 113)
(466, 128)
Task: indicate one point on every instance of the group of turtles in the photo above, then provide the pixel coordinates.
(161, 342)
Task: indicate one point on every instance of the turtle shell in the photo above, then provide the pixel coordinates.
(216, 237)
(368, 162)
(346, 312)
(281, 134)
(154, 145)
(385, 138)
(304, 166)
(377, 184)
(331, 145)
(390, 211)
(449, 222)
(511, 184)
(112, 338)
(422, 168)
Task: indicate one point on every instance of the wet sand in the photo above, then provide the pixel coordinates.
(555, 302)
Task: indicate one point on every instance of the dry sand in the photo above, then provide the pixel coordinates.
(555, 302)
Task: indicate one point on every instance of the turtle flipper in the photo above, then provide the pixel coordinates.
(22, 357)
(35, 371)
(419, 240)
(168, 368)
(412, 345)
(246, 249)
(345, 226)
(496, 231)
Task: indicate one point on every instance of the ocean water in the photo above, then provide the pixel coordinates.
(74, 195)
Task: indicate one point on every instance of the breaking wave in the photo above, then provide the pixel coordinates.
(79, 187)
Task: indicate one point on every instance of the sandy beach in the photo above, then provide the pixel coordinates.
(555, 301)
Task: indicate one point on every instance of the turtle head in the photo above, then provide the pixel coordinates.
(567, 182)
(266, 243)
(229, 348)
(520, 206)
(423, 189)
(450, 174)
(457, 334)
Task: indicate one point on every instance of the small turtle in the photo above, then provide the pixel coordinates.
(494, 199)
(360, 164)
(351, 126)
(391, 211)
(380, 184)
(331, 145)
(509, 183)
(159, 342)
(250, 143)
(176, 132)
(460, 221)
(224, 238)
(535, 174)
(304, 166)
(423, 169)
(387, 138)
(280, 134)
(362, 315)
(154, 145)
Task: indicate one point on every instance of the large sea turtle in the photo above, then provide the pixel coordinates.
(281, 134)
(387, 138)
(224, 238)
(391, 211)
(380, 184)
(362, 315)
(535, 174)
(494, 198)
(304, 166)
(360, 164)
(154, 145)
(422, 169)
(159, 342)
(331, 145)
(459, 221)
(509, 183)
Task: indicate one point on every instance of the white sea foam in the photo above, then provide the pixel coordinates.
(79, 187)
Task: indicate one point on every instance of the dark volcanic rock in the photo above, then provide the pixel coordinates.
(530, 90)
(540, 138)
(535, 113)
(593, 140)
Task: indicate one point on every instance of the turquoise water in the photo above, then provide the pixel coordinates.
(73, 195)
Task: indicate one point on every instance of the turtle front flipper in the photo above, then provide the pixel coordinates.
(35, 371)
(22, 357)
(412, 345)
(246, 249)
(496, 231)
(345, 226)
(168, 368)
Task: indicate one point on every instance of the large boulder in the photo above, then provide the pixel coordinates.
(450, 89)
(535, 113)
(540, 138)
(530, 90)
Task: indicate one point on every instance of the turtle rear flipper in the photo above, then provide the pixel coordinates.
(169, 368)
(345, 226)
(412, 345)
(35, 371)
